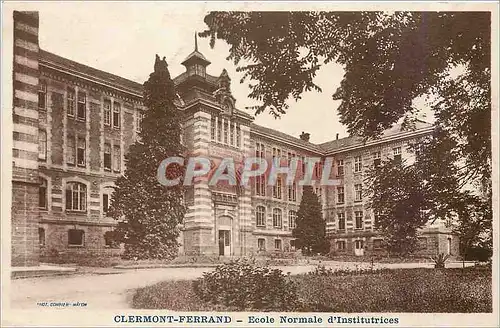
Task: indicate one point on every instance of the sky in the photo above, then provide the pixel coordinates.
(123, 39)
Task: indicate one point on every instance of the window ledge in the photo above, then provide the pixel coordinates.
(76, 246)
(76, 212)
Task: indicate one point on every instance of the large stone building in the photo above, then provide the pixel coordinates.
(73, 124)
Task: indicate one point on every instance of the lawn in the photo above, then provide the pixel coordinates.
(404, 290)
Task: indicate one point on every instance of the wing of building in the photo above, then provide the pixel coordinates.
(74, 123)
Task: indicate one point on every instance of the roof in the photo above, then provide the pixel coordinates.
(285, 137)
(183, 77)
(355, 140)
(337, 144)
(195, 56)
(87, 71)
(126, 85)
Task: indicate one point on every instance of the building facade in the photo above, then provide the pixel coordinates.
(73, 125)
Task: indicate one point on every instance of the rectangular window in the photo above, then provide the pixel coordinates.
(107, 112)
(292, 219)
(219, 130)
(80, 152)
(260, 185)
(292, 244)
(42, 145)
(277, 188)
(76, 197)
(238, 136)
(317, 170)
(277, 218)
(138, 121)
(376, 159)
(357, 164)
(70, 102)
(41, 236)
(376, 219)
(260, 181)
(303, 161)
(261, 244)
(231, 133)
(277, 244)
(117, 158)
(226, 131)
(340, 167)
(260, 214)
(105, 203)
(262, 151)
(81, 113)
(292, 192)
(75, 237)
(42, 194)
(116, 114)
(358, 215)
(70, 150)
(341, 220)
(107, 156)
(340, 195)
(358, 192)
(212, 128)
(317, 191)
(340, 245)
(397, 153)
(42, 95)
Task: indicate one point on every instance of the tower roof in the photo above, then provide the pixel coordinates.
(195, 56)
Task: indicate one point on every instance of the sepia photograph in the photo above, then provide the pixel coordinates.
(249, 164)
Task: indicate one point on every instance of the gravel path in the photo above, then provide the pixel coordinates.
(109, 289)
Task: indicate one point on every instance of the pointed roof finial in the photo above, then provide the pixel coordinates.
(195, 41)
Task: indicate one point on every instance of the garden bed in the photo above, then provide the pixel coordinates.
(401, 290)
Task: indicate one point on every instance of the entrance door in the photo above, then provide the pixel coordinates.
(224, 243)
(358, 248)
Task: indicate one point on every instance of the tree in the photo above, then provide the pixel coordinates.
(310, 229)
(390, 60)
(400, 209)
(149, 212)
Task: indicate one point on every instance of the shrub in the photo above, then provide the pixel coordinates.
(440, 260)
(241, 285)
(321, 270)
(477, 253)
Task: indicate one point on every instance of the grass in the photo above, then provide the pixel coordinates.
(404, 290)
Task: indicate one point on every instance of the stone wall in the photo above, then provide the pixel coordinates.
(24, 228)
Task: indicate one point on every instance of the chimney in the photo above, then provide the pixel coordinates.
(337, 136)
(305, 136)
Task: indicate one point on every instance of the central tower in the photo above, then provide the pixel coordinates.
(218, 220)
